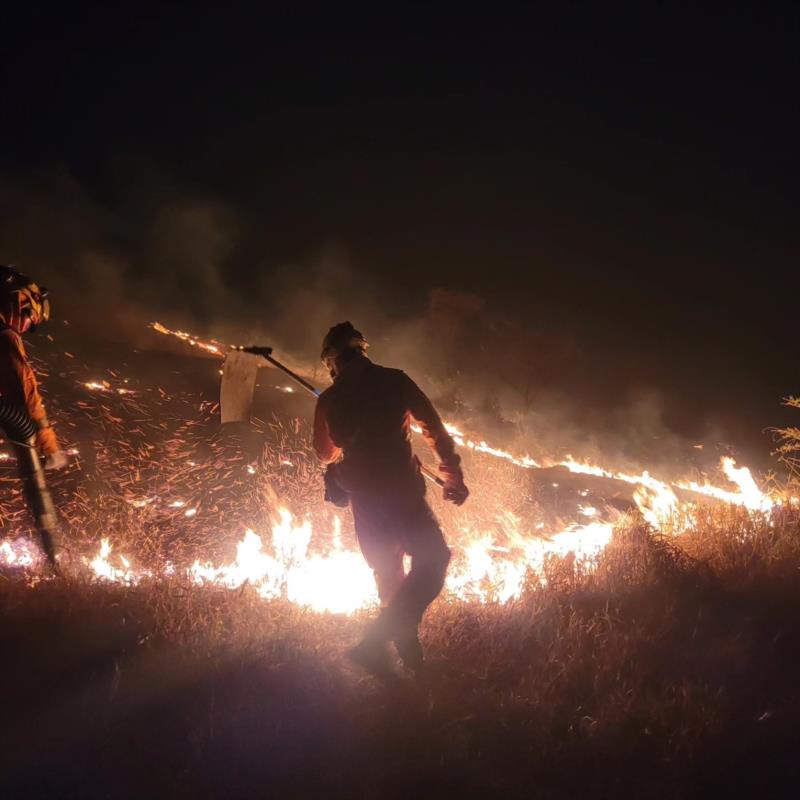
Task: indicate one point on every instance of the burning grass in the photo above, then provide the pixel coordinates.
(577, 649)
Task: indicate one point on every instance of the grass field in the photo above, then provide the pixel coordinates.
(666, 672)
(665, 669)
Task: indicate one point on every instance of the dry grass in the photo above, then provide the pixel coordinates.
(667, 670)
(789, 445)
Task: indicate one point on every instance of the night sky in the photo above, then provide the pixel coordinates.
(628, 178)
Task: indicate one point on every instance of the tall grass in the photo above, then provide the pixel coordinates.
(789, 447)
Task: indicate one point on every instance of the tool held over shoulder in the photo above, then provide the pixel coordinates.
(266, 353)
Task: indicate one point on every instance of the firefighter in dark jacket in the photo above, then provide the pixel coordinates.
(362, 430)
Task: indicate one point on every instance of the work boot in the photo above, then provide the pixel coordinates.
(410, 651)
(372, 655)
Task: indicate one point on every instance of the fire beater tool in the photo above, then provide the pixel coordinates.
(238, 384)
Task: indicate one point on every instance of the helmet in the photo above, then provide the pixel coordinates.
(341, 339)
(23, 303)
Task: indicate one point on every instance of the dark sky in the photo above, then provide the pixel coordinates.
(631, 175)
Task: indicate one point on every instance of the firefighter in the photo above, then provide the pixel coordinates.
(23, 306)
(361, 430)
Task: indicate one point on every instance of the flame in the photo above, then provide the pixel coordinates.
(494, 560)
(209, 346)
(483, 575)
(103, 568)
(482, 447)
(488, 565)
(584, 468)
(749, 495)
(657, 500)
(339, 580)
(656, 505)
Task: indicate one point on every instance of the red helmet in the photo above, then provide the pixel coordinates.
(23, 303)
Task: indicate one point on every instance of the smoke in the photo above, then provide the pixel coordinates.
(111, 270)
(529, 384)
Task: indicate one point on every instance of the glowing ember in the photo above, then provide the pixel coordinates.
(140, 502)
(105, 386)
(22, 553)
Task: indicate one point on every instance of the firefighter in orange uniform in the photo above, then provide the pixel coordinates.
(23, 306)
(361, 430)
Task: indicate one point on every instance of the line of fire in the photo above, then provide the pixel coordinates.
(185, 466)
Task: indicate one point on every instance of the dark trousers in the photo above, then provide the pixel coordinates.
(388, 527)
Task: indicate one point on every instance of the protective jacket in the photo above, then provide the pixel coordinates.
(19, 386)
(363, 420)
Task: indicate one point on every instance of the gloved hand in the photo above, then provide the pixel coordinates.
(455, 490)
(57, 460)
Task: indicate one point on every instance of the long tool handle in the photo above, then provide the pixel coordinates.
(39, 500)
(266, 352)
(302, 381)
(431, 475)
